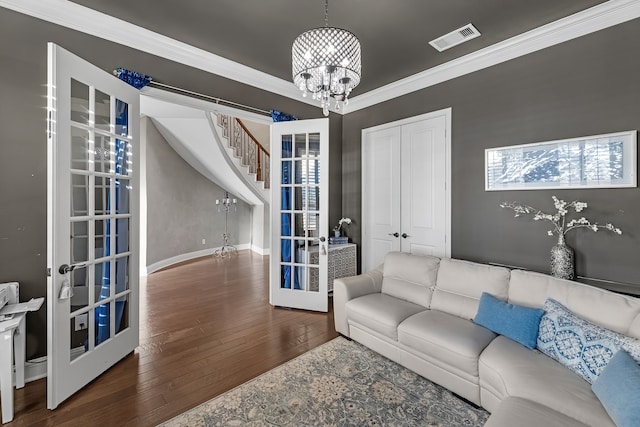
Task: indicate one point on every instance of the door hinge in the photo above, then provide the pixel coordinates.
(49, 124)
(48, 272)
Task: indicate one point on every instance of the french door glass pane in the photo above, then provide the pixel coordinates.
(299, 226)
(102, 192)
(122, 235)
(123, 157)
(300, 172)
(79, 195)
(102, 111)
(79, 102)
(286, 147)
(103, 326)
(102, 156)
(79, 279)
(314, 145)
(80, 149)
(101, 227)
(300, 278)
(286, 172)
(122, 195)
(79, 242)
(122, 314)
(301, 145)
(80, 337)
(285, 225)
(122, 274)
(122, 118)
(103, 280)
(314, 279)
(285, 250)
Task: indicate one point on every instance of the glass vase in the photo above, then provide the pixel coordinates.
(562, 260)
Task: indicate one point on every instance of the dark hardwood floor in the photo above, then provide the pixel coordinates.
(205, 327)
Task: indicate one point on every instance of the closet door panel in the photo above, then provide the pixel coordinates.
(381, 195)
(423, 187)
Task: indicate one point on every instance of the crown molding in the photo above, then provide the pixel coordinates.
(80, 18)
(88, 21)
(596, 18)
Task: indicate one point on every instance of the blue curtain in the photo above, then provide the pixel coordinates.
(135, 79)
(279, 116)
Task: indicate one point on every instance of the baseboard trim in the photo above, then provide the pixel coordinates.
(35, 369)
(261, 251)
(197, 254)
(178, 259)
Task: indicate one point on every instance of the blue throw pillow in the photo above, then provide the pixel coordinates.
(578, 344)
(516, 322)
(618, 388)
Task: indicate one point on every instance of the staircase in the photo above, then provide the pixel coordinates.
(242, 145)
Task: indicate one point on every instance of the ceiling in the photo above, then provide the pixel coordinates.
(394, 34)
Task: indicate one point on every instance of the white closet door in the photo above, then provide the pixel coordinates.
(406, 205)
(422, 187)
(381, 195)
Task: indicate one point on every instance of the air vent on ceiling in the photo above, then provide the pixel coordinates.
(455, 37)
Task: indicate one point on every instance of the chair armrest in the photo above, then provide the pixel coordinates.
(348, 288)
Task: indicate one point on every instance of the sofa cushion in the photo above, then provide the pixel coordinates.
(449, 339)
(580, 345)
(381, 313)
(634, 329)
(516, 322)
(460, 284)
(509, 369)
(514, 411)
(410, 277)
(598, 306)
(618, 388)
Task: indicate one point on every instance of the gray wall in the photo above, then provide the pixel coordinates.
(23, 150)
(181, 205)
(583, 87)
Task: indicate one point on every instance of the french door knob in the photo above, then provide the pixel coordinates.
(394, 234)
(66, 268)
(405, 235)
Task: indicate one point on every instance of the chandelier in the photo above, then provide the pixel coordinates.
(326, 63)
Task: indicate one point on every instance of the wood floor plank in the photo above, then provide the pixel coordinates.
(206, 326)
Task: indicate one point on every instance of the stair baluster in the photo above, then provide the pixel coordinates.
(246, 147)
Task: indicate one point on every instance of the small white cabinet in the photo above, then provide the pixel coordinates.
(341, 263)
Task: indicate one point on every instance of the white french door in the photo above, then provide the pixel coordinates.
(299, 224)
(92, 222)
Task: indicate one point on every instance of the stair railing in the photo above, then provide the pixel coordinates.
(246, 147)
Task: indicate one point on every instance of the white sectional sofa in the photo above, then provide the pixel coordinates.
(419, 311)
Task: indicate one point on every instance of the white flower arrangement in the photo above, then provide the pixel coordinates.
(560, 225)
(342, 221)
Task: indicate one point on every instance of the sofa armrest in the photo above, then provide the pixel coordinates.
(348, 288)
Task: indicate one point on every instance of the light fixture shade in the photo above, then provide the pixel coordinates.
(326, 62)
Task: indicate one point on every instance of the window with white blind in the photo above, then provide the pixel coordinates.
(602, 161)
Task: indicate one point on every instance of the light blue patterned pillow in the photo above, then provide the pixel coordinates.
(578, 344)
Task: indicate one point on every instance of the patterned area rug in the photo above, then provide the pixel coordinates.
(340, 383)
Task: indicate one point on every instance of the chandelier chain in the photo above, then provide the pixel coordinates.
(326, 13)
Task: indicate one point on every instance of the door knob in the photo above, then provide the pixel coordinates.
(405, 235)
(394, 234)
(322, 239)
(66, 268)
